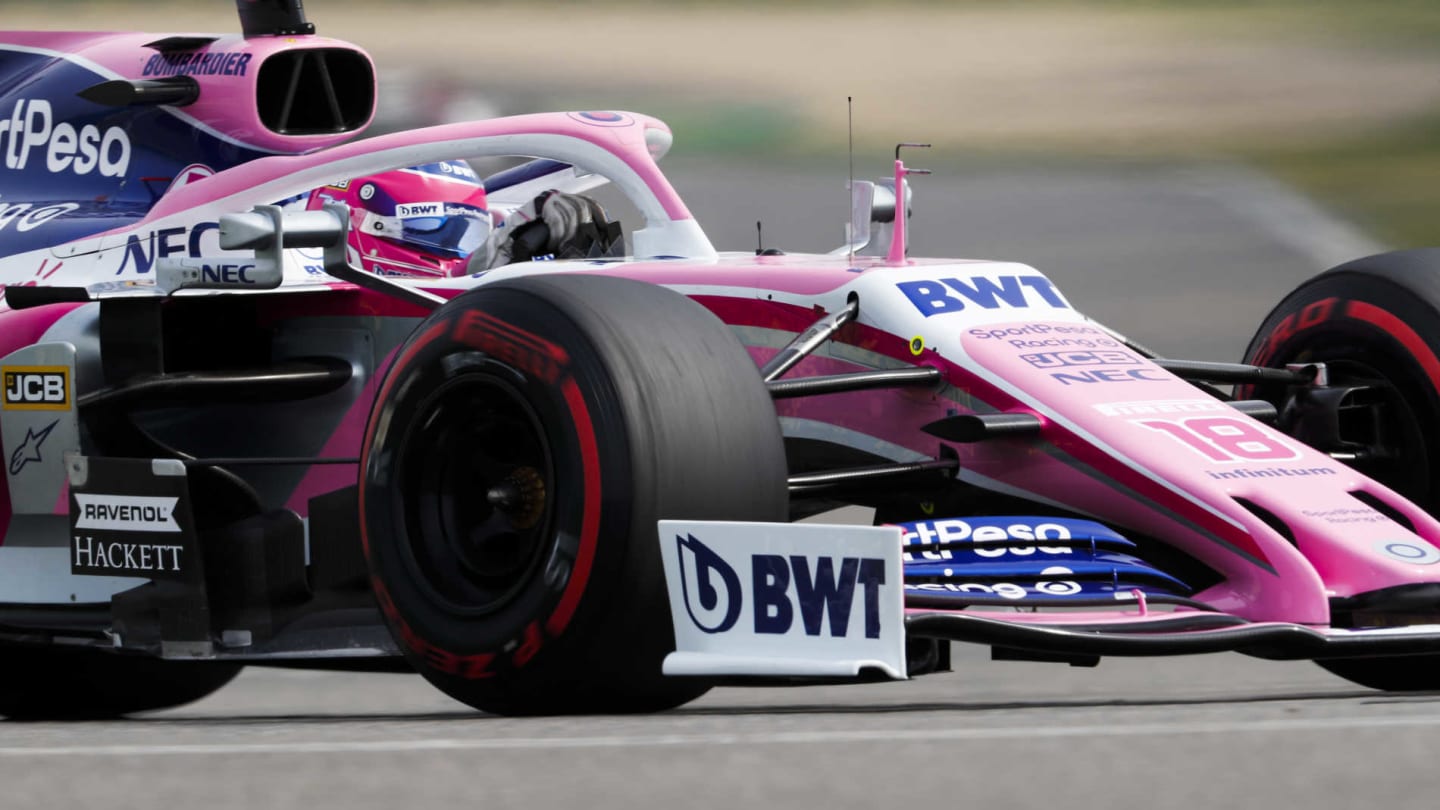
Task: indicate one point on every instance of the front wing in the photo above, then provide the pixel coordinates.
(810, 600)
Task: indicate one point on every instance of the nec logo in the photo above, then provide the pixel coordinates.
(36, 388)
(227, 273)
(1105, 375)
(781, 587)
(954, 294)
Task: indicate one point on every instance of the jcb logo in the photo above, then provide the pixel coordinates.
(37, 388)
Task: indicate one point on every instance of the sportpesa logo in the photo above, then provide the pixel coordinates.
(30, 136)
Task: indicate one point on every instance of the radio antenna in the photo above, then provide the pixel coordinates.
(850, 186)
(759, 239)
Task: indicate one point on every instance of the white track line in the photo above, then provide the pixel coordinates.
(722, 739)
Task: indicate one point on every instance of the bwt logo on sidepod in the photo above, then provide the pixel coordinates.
(780, 587)
(954, 294)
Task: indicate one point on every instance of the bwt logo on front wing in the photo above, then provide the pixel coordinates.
(36, 388)
(954, 294)
(782, 589)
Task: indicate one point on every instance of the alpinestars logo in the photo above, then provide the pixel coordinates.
(30, 136)
(712, 609)
(29, 449)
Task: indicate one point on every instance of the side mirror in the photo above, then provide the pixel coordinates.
(268, 231)
(872, 218)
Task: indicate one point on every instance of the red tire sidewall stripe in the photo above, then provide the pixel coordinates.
(590, 521)
(396, 369)
(1401, 331)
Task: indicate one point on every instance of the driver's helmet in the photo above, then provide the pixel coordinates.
(421, 221)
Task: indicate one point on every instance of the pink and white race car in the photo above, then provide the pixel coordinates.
(574, 485)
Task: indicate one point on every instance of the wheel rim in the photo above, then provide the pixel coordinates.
(475, 476)
(1390, 428)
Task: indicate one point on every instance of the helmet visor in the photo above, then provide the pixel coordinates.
(452, 229)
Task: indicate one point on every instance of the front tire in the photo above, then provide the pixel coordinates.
(522, 447)
(1376, 322)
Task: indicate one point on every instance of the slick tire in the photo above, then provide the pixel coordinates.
(1374, 321)
(39, 683)
(524, 443)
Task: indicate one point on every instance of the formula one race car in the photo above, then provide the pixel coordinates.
(574, 485)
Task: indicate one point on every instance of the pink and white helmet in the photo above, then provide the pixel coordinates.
(421, 221)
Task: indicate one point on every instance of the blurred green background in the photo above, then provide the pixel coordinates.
(1338, 97)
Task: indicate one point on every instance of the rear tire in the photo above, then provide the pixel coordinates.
(41, 683)
(1375, 321)
(525, 442)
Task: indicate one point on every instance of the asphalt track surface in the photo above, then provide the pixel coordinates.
(1218, 730)
(1187, 259)
(1184, 258)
